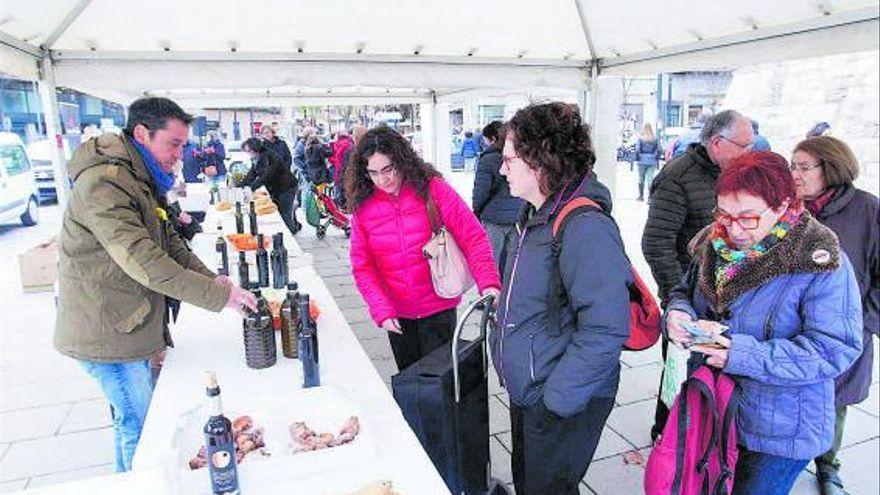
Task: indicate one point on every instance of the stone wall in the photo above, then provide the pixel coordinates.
(788, 98)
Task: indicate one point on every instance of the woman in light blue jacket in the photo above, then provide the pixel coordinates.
(778, 279)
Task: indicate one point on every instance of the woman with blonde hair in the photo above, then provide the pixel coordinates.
(648, 152)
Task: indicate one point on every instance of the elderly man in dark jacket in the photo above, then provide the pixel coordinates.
(824, 169)
(683, 202)
(492, 203)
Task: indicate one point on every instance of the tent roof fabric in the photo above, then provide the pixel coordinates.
(544, 43)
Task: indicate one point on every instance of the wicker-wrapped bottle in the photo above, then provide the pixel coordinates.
(259, 336)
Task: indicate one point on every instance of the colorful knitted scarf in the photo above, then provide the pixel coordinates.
(729, 261)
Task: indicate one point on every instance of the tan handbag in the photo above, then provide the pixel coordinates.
(449, 269)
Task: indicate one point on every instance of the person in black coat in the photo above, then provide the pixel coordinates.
(824, 169)
(493, 204)
(276, 144)
(316, 161)
(270, 171)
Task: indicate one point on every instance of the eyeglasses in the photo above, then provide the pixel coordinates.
(385, 172)
(746, 222)
(803, 167)
(745, 147)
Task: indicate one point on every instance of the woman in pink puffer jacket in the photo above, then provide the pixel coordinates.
(387, 185)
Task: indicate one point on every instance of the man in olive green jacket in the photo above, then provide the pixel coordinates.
(121, 260)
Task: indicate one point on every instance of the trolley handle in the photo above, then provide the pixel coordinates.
(488, 315)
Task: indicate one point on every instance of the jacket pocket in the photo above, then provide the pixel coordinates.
(133, 320)
(771, 411)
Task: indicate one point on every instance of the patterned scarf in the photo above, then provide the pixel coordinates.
(730, 261)
(816, 205)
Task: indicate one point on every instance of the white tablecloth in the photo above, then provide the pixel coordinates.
(213, 341)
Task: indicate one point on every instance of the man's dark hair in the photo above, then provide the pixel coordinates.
(254, 144)
(492, 130)
(153, 113)
(468, 134)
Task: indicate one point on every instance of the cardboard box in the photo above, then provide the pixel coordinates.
(39, 267)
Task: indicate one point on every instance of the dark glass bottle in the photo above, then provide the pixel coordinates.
(308, 345)
(279, 262)
(244, 276)
(259, 336)
(219, 444)
(239, 219)
(252, 215)
(290, 323)
(262, 263)
(222, 253)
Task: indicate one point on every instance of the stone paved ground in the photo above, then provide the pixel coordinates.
(54, 423)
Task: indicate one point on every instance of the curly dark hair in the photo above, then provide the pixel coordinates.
(410, 168)
(551, 138)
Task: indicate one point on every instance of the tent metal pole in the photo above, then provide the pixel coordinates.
(65, 24)
(582, 14)
(53, 129)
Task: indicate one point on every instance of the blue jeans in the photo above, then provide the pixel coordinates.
(129, 388)
(765, 474)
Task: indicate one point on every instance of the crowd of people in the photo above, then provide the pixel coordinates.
(782, 251)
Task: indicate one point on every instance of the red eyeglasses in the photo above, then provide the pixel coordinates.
(746, 222)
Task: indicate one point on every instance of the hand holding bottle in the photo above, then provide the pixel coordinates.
(240, 298)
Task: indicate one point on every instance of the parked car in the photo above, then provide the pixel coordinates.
(19, 199)
(40, 154)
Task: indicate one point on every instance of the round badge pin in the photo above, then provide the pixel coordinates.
(821, 257)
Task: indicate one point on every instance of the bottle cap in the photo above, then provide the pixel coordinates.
(210, 379)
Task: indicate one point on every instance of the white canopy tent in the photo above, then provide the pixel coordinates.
(229, 53)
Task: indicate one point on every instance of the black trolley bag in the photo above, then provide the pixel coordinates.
(445, 402)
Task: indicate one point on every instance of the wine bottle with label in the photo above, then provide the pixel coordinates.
(308, 345)
(262, 262)
(222, 253)
(219, 444)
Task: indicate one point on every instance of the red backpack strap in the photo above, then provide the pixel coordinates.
(559, 222)
(572, 205)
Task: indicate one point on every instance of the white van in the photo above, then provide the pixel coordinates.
(18, 189)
